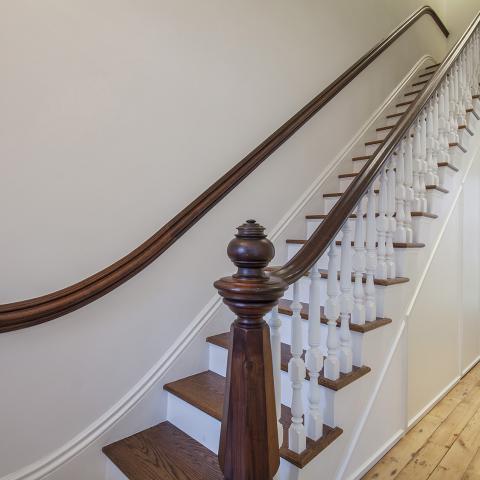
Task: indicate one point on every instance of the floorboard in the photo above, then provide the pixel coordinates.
(444, 445)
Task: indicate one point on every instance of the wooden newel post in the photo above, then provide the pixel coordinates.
(249, 442)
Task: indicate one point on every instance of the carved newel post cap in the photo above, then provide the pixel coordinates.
(251, 288)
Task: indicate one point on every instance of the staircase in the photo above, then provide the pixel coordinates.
(329, 322)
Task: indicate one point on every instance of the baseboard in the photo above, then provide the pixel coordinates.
(424, 411)
(376, 456)
(469, 367)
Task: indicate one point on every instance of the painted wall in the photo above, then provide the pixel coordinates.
(115, 115)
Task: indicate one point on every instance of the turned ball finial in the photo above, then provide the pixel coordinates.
(251, 292)
(250, 250)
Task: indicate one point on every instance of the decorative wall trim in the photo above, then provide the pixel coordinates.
(66, 452)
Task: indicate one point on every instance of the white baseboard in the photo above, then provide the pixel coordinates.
(376, 456)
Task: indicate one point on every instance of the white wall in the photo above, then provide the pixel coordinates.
(115, 115)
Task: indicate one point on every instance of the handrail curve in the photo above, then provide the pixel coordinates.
(26, 313)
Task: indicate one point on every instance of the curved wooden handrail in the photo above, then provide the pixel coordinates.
(319, 241)
(30, 312)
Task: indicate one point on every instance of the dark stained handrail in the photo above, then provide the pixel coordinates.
(317, 244)
(30, 312)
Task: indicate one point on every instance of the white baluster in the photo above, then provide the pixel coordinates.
(436, 140)
(423, 162)
(346, 299)
(417, 165)
(332, 364)
(429, 176)
(371, 259)
(314, 358)
(453, 126)
(443, 122)
(391, 223)
(409, 194)
(358, 314)
(297, 372)
(401, 232)
(276, 345)
(381, 227)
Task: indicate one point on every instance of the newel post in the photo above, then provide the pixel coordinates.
(249, 442)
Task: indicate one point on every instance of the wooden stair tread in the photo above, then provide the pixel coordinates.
(361, 157)
(456, 144)
(377, 281)
(415, 92)
(432, 66)
(381, 129)
(293, 241)
(223, 340)
(426, 74)
(472, 111)
(466, 128)
(163, 452)
(420, 82)
(436, 187)
(205, 391)
(395, 115)
(322, 216)
(374, 142)
(406, 102)
(448, 165)
(284, 308)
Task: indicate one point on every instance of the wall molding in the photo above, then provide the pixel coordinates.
(95, 430)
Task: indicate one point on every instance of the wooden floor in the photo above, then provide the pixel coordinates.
(444, 445)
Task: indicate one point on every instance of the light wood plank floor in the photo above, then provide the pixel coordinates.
(444, 445)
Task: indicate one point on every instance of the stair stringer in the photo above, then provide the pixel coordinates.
(378, 408)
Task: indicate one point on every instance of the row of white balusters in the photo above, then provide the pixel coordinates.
(386, 219)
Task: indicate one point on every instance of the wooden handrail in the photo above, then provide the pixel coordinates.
(30, 312)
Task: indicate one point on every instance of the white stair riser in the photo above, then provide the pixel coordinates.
(381, 134)
(434, 201)
(199, 425)
(345, 182)
(401, 109)
(329, 202)
(358, 165)
(371, 149)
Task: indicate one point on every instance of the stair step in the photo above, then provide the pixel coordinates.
(465, 127)
(374, 142)
(285, 309)
(456, 144)
(395, 115)
(471, 110)
(163, 452)
(293, 241)
(223, 340)
(405, 103)
(448, 165)
(414, 92)
(381, 129)
(420, 82)
(362, 157)
(377, 281)
(436, 187)
(433, 66)
(205, 391)
(426, 74)
(323, 216)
